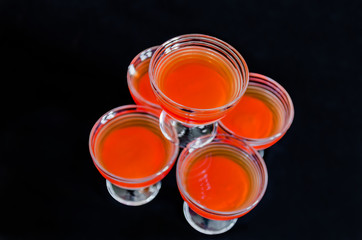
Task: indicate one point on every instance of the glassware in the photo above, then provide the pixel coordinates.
(197, 79)
(138, 80)
(129, 150)
(263, 115)
(220, 182)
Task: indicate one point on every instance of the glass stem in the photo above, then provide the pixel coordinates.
(205, 225)
(261, 152)
(182, 134)
(133, 197)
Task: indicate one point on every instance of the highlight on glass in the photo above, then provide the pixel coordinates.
(263, 115)
(197, 79)
(138, 80)
(130, 151)
(220, 182)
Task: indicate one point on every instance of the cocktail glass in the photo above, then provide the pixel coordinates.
(129, 150)
(139, 81)
(220, 182)
(197, 79)
(263, 115)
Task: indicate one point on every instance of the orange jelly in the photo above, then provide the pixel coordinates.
(141, 83)
(197, 78)
(218, 183)
(251, 118)
(256, 116)
(219, 179)
(133, 147)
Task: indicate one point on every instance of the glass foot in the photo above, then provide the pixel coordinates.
(133, 197)
(207, 226)
(182, 134)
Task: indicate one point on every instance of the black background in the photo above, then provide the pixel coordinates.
(64, 64)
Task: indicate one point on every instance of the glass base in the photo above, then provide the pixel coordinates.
(133, 197)
(205, 225)
(182, 134)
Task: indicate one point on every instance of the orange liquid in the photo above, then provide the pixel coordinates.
(133, 147)
(141, 83)
(218, 179)
(197, 78)
(253, 117)
(143, 87)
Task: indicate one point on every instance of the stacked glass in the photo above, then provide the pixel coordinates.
(188, 86)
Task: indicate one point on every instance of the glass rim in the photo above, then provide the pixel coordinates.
(259, 161)
(213, 41)
(257, 78)
(129, 79)
(122, 110)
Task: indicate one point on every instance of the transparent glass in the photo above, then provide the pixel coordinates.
(190, 122)
(277, 100)
(141, 90)
(127, 187)
(214, 191)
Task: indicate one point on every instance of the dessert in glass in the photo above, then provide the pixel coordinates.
(263, 115)
(197, 79)
(220, 182)
(131, 153)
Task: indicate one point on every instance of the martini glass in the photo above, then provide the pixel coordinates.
(263, 115)
(197, 79)
(220, 182)
(138, 80)
(129, 150)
